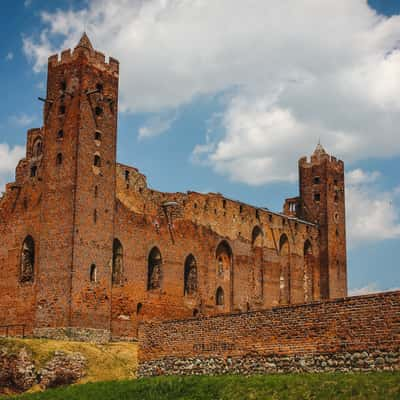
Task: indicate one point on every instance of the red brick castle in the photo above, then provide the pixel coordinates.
(87, 250)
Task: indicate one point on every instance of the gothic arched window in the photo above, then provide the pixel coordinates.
(224, 257)
(27, 260)
(93, 273)
(284, 280)
(219, 297)
(37, 148)
(190, 275)
(154, 269)
(117, 264)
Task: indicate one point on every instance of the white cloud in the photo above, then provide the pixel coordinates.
(9, 158)
(371, 287)
(155, 126)
(22, 119)
(295, 72)
(9, 56)
(372, 214)
(27, 3)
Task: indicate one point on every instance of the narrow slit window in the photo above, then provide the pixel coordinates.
(317, 197)
(97, 161)
(97, 136)
(60, 134)
(98, 111)
(33, 171)
(93, 273)
(61, 110)
(59, 159)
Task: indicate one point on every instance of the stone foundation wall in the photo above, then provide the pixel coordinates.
(72, 333)
(272, 364)
(351, 334)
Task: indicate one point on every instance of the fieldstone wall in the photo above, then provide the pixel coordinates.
(253, 364)
(72, 333)
(18, 371)
(351, 334)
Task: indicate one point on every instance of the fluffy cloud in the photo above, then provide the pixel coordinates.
(295, 71)
(368, 289)
(156, 126)
(372, 214)
(22, 119)
(9, 56)
(9, 158)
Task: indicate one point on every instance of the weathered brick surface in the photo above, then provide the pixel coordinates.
(336, 330)
(75, 202)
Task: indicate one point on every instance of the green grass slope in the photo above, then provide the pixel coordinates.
(366, 386)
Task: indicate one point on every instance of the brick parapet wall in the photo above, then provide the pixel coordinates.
(355, 333)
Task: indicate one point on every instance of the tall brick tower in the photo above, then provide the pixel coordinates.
(78, 200)
(322, 200)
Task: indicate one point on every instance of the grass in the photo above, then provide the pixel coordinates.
(354, 386)
(111, 361)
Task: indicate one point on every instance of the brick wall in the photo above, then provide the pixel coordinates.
(356, 333)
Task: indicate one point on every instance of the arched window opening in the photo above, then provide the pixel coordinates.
(95, 216)
(60, 134)
(98, 111)
(97, 136)
(139, 308)
(27, 260)
(117, 264)
(93, 273)
(219, 297)
(33, 171)
(99, 87)
(257, 237)
(61, 110)
(308, 282)
(59, 159)
(97, 161)
(284, 279)
(223, 257)
(195, 312)
(190, 276)
(257, 270)
(63, 86)
(37, 148)
(154, 269)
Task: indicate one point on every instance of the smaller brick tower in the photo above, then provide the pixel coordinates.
(322, 201)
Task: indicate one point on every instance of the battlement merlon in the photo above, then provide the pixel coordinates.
(306, 162)
(85, 49)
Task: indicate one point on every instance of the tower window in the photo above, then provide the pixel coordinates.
(224, 204)
(95, 216)
(139, 308)
(219, 297)
(97, 135)
(99, 87)
(96, 191)
(93, 273)
(335, 182)
(60, 134)
(317, 197)
(317, 180)
(127, 175)
(33, 171)
(61, 110)
(98, 111)
(336, 197)
(63, 86)
(97, 161)
(59, 159)
(240, 209)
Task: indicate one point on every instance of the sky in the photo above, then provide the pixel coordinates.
(225, 96)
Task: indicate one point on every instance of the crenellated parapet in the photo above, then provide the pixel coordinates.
(86, 50)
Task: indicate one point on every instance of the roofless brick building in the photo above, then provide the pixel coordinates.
(88, 250)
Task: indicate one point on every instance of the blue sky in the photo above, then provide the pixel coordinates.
(225, 97)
